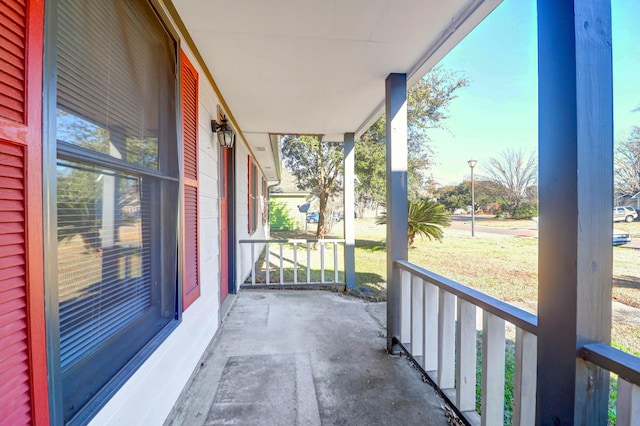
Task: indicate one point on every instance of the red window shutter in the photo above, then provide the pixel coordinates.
(189, 104)
(13, 34)
(23, 372)
(14, 374)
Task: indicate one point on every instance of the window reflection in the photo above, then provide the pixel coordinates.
(73, 129)
(101, 253)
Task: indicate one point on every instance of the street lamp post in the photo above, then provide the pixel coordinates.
(472, 164)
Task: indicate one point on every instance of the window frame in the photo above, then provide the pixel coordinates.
(167, 182)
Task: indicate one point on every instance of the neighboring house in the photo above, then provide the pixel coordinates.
(286, 206)
(629, 200)
(121, 214)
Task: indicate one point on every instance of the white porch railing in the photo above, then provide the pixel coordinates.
(439, 331)
(310, 270)
(627, 368)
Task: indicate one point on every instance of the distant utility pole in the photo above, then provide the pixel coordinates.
(472, 164)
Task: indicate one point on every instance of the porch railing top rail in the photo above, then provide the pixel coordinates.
(293, 240)
(516, 316)
(621, 363)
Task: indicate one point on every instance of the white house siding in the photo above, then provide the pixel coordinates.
(150, 393)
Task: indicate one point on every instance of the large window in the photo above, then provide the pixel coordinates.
(117, 192)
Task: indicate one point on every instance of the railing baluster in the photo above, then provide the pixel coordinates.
(322, 262)
(335, 262)
(405, 306)
(281, 268)
(493, 353)
(295, 262)
(309, 262)
(446, 340)
(430, 324)
(267, 271)
(628, 405)
(284, 261)
(466, 337)
(253, 264)
(524, 398)
(417, 334)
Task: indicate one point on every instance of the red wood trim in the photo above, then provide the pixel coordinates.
(33, 203)
(190, 182)
(189, 144)
(12, 131)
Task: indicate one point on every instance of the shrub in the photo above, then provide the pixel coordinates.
(525, 211)
(279, 219)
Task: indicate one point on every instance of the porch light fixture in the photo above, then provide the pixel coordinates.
(226, 136)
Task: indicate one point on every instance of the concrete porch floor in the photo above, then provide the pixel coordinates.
(304, 358)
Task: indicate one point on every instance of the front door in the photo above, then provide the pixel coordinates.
(224, 222)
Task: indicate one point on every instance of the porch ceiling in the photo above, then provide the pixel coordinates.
(318, 67)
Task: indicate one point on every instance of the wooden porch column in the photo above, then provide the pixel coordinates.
(349, 209)
(575, 191)
(397, 204)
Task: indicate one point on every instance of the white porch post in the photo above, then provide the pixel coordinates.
(349, 209)
(575, 191)
(397, 204)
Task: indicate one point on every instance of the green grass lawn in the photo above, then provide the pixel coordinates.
(633, 227)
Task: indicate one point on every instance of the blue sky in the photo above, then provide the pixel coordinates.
(499, 108)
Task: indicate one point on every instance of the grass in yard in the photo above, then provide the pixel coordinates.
(633, 228)
(626, 284)
(503, 266)
(486, 220)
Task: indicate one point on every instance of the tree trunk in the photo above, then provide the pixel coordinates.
(321, 231)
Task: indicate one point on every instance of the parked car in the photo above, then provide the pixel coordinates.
(626, 213)
(620, 237)
(313, 217)
(336, 216)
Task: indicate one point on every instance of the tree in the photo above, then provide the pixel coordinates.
(317, 167)
(459, 196)
(627, 164)
(516, 175)
(454, 197)
(426, 218)
(427, 106)
(370, 166)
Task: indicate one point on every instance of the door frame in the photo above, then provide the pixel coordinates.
(231, 221)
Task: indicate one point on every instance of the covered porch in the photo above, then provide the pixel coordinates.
(289, 357)
(563, 354)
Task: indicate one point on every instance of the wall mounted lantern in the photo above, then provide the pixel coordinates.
(226, 136)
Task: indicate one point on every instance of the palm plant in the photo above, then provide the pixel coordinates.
(426, 218)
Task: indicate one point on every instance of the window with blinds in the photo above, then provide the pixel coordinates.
(117, 191)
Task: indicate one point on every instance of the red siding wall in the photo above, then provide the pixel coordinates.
(189, 103)
(23, 376)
